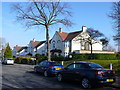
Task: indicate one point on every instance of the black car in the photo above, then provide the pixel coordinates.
(88, 74)
(48, 67)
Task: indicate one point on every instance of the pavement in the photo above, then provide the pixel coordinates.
(117, 83)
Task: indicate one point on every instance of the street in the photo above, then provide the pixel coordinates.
(22, 76)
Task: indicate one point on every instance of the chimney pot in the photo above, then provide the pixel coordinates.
(34, 39)
(84, 28)
(60, 30)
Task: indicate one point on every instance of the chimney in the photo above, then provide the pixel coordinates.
(34, 39)
(60, 30)
(84, 28)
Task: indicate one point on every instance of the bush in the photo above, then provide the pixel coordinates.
(40, 58)
(57, 58)
(22, 60)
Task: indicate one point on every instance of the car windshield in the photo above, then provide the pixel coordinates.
(93, 65)
(55, 64)
(9, 59)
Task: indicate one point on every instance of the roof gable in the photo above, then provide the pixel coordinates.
(19, 48)
(34, 43)
(68, 36)
(63, 35)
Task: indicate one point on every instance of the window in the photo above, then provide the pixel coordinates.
(82, 45)
(53, 44)
(59, 44)
(71, 66)
(78, 66)
(42, 63)
(93, 65)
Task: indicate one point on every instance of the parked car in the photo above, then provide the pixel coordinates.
(48, 67)
(88, 74)
(8, 61)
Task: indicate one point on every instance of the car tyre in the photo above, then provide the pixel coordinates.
(45, 73)
(85, 83)
(60, 77)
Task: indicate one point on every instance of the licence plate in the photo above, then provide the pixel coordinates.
(58, 68)
(110, 80)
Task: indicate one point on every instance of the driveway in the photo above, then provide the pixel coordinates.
(23, 77)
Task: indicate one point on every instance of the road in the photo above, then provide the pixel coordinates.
(23, 77)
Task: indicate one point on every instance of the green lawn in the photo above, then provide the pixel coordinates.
(104, 63)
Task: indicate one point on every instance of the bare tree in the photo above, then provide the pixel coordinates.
(2, 43)
(105, 42)
(43, 14)
(91, 38)
(115, 15)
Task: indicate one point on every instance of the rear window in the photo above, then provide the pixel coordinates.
(93, 65)
(55, 64)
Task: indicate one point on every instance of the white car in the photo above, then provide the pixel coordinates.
(8, 61)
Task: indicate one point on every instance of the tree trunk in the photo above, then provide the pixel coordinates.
(48, 43)
(91, 51)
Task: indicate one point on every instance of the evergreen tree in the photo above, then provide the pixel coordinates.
(8, 52)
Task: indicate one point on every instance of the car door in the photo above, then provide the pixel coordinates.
(40, 66)
(69, 72)
(79, 71)
(43, 66)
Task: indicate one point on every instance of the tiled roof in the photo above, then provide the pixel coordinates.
(40, 43)
(19, 48)
(63, 35)
(35, 43)
(68, 36)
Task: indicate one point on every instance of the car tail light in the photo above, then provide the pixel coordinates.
(113, 72)
(51, 67)
(63, 67)
(100, 72)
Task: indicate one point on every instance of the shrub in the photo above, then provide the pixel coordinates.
(40, 58)
(22, 60)
(57, 58)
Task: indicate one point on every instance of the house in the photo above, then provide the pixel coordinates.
(64, 43)
(35, 47)
(19, 51)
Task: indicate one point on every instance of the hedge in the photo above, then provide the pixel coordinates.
(100, 56)
(22, 60)
(40, 58)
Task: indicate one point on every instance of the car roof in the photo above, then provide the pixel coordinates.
(48, 61)
(82, 62)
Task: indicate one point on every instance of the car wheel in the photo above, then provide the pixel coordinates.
(60, 77)
(35, 70)
(45, 73)
(85, 83)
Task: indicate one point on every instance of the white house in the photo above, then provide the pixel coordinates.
(19, 51)
(35, 47)
(64, 43)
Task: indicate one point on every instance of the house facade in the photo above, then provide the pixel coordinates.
(20, 51)
(64, 43)
(33, 48)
